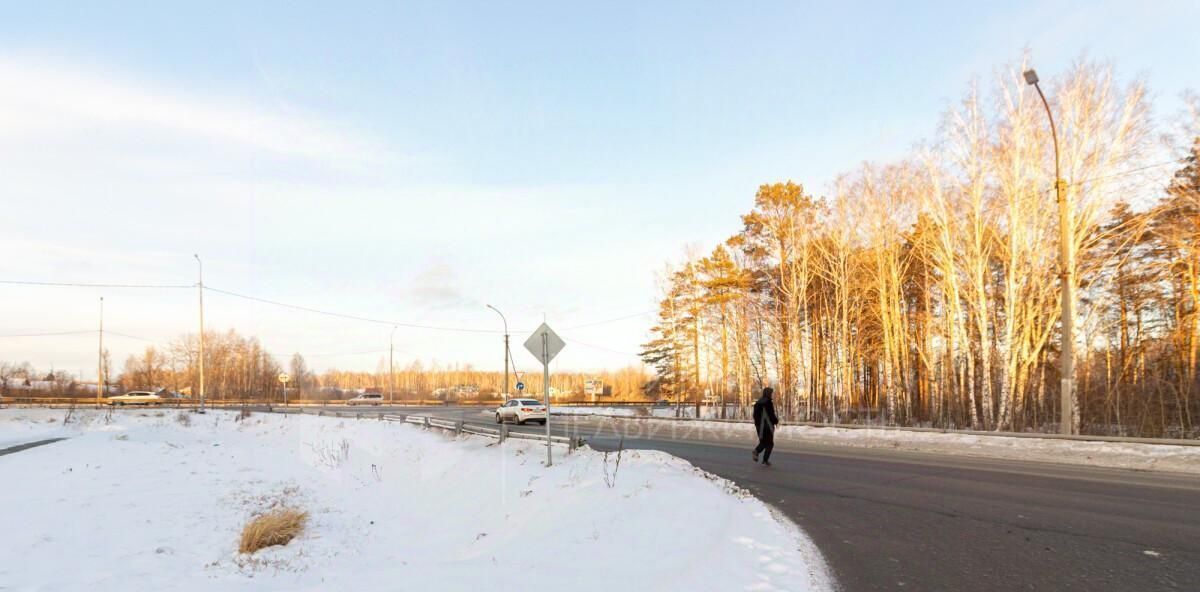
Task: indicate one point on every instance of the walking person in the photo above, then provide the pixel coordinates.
(765, 421)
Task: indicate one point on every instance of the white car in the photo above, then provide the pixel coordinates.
(366, 399)
(521, 411)
(136, 398)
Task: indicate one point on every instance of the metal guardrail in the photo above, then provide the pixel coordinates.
(460, 427)
(80, 401)
(851, 426)
(225, 403)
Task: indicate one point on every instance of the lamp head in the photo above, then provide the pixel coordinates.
(1031, 76)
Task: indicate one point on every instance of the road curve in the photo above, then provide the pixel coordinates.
(892, 520)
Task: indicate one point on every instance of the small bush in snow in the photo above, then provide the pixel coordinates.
(184, 419)
(332, 455)
(611, 481)
(277, 527)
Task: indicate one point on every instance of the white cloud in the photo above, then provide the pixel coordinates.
(46, 100)
(115, 177)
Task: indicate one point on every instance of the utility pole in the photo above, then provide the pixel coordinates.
(391, 368)
(100, 358)
(507, 355)
(200, 290)
(1066, 228)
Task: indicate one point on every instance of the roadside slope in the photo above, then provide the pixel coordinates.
(389, 503)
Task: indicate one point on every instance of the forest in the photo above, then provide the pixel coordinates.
(925, 292)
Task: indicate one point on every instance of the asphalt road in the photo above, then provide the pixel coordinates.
(27, 446)
(891, 520)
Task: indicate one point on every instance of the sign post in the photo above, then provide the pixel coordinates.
(284, 378)
(544, 344)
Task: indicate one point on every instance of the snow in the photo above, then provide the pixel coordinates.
(1122, 455)
(1125, 455)
(39, 426)
(145, 502)
(689, 411)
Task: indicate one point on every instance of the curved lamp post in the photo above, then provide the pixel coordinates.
(1066, 226)
(506, 354)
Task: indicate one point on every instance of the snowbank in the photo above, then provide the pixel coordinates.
(1122, 455)
(689, 411)
(148, 503)
(1184, 459)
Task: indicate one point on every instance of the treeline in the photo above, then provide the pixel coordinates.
(465, 382)
(925, 292)
(238, 367)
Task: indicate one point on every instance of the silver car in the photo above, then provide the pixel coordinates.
(521, 411)
(136, 398)
(366, 399)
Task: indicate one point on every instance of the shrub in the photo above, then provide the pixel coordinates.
(277, 527)
(330, 454)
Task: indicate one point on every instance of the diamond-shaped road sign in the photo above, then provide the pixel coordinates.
(545, 350)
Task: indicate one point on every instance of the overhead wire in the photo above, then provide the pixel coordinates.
(353, 317)
(95, 285)
(51, 334)
(599, 347)
(307, 309)
(612, 320)
(1124, 173)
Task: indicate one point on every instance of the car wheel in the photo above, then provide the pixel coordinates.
(499, 419)
(520, 421)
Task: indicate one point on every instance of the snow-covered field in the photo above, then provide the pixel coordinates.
(148, 503)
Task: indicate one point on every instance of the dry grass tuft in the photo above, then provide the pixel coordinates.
(277, 527)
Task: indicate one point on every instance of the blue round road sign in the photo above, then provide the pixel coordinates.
(520, 386)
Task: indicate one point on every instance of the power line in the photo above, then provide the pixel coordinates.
(613, 320)
(56, 334)
(600, 347)
(91, 285)
(335, 354)
(305, 309)
(1128, 172)
(127, 336)
(353, 317)
(1125, 173)
(87, 332)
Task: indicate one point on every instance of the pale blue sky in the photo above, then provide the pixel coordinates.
(414, 161)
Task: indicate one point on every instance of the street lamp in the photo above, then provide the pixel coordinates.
(506, 354)
(391, 369)
(1066, 227)
(200, 290)
(100, 390)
